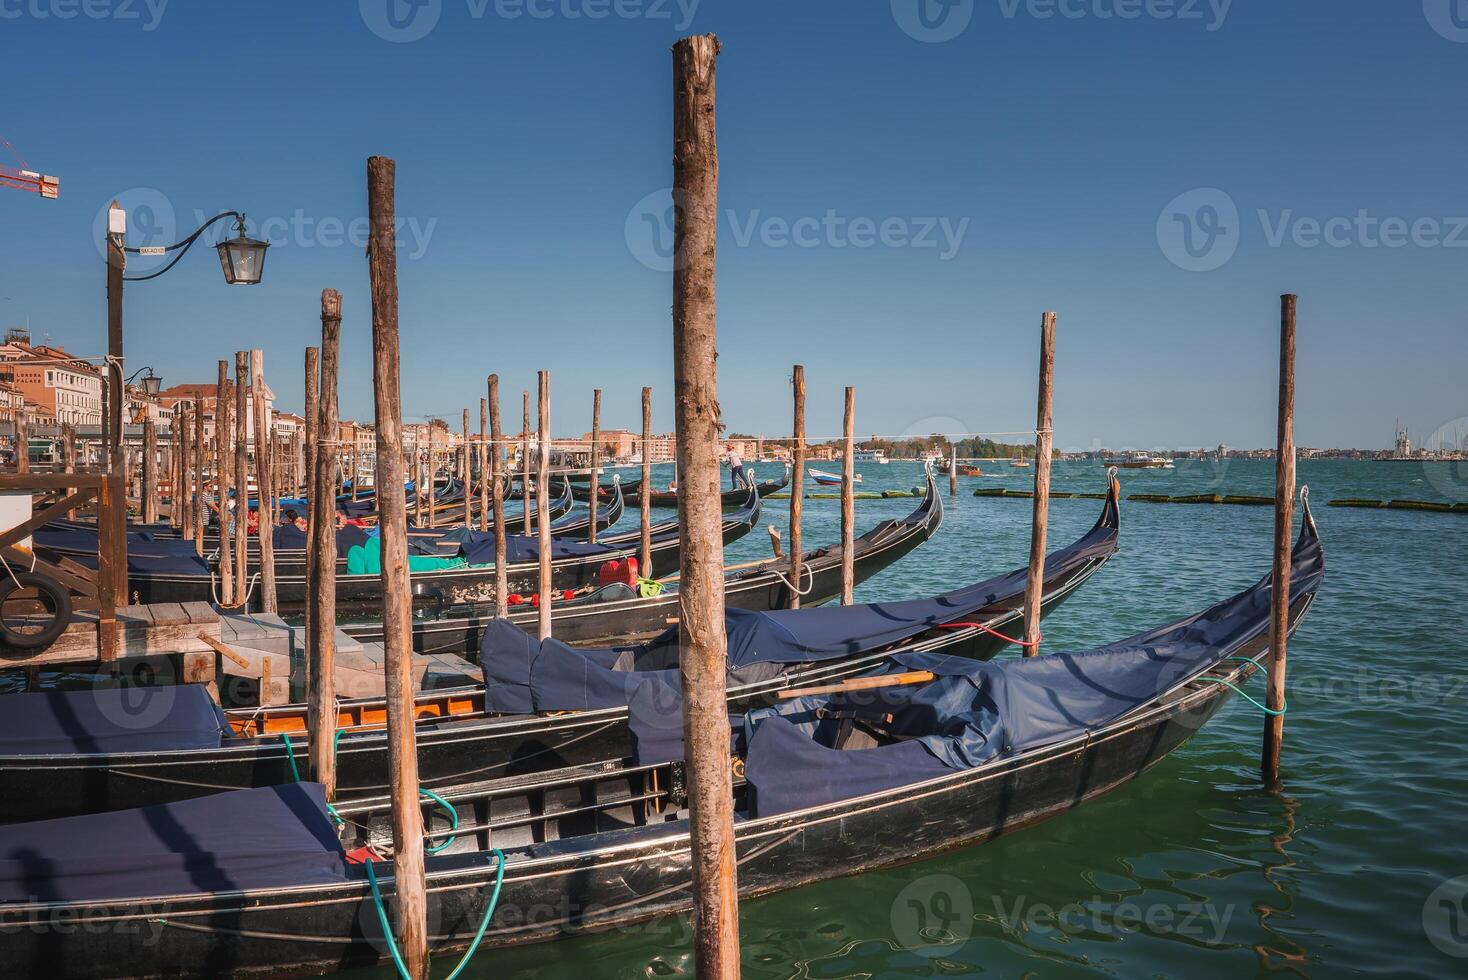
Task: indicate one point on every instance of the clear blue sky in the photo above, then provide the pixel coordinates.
(529, 135)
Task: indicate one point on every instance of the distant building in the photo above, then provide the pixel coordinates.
(67, 387)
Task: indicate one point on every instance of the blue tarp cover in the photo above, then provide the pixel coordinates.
(479, 550)
(145, 553)
(110, 720)
(522, 674)
(975, 712)
(271, 837)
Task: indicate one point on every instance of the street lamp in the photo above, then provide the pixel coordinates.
(242, 259)
(152, 383)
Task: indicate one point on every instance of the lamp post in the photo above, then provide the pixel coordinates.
(243, 260)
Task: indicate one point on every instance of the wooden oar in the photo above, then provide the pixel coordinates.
(862, 684)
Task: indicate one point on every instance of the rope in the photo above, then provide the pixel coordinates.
(805, 567)
(992, 632)
(1272, 712)
(392, 944)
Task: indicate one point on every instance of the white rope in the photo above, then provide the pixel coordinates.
(805, 567)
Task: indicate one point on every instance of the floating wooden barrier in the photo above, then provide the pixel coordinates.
(1429, 505)
(1352, 502)
(1420, 505)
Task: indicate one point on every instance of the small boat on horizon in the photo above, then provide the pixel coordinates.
(831, 479)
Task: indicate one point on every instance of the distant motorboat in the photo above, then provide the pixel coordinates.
(831, 479)
(878, 456)
(1140, 461)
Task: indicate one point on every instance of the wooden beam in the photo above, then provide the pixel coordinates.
(797, 484)
(702, 640)
(1044, 442)
(644, 505)
(595, 460)
(265, 528)
(407, 818)
(321, 716)
(497, 490)
(848, 501)
(1284, 515)
(542, 504)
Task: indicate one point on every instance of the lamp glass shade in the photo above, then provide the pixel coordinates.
(152, 384)
(243, 260)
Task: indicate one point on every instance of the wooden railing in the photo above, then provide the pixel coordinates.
(58, 495)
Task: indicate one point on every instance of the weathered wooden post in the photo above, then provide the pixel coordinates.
(407, 819)
(595, 460)
(702, 640)
(417, 482)
(321, 551)
(175, 472)
(150, 468)
(797, 484)
(483, 460)
(313, 422)
(848, 501)
(952, 469)
(266, 525)
(224, 460)
(242, 474)
(22, 442)
(201, 486)
(525, 496)
(542, 504)
(497, 491)
(464, 474)
(1284, 516)
(185, 491)
(1044, 441)
(644, 503)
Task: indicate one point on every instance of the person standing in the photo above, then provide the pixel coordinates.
(736, 469)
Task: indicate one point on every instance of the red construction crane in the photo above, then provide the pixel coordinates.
(25, 179)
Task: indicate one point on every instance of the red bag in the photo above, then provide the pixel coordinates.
(619, 571)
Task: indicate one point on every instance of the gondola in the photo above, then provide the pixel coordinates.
(574, 564)
(632, 490)
(830, 786)
(468, 733)
(615, 614)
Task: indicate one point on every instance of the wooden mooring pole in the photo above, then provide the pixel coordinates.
(224, 462)
(266, 523)
(313, 421)
(201, 486)
(644, 504)
(1284, 515)
(242, 475)
(466, 474)
(407, 818)
(595, 461)
(848, 501)
(542, 503)
(526, 504)
(1044, 441)
(497, 497)
(952, 469)
(150, 467)
(185, 491)
(483, 460)
(702, 639)
(797, 484)
(22, 442)
(321, 555)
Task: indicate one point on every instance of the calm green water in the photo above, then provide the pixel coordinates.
(1192, 870)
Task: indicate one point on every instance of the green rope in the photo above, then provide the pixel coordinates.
(392, 943)
(1244, 694)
